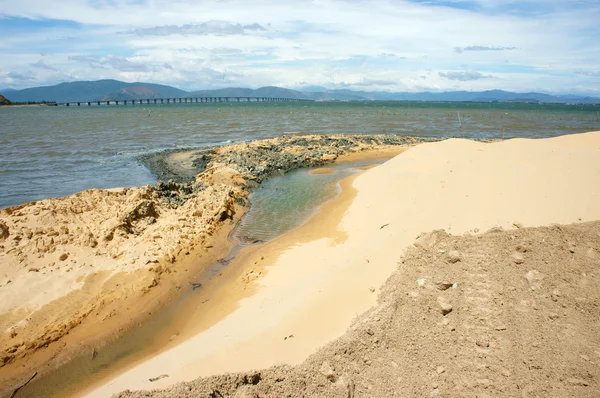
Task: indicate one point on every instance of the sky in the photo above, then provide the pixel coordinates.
(549, 46)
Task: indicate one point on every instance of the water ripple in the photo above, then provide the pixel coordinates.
(80, 148)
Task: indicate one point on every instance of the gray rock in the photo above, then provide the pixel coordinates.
(445, 306)
(327, 371)
(453, 256)
(534, 278)
(482, 343)
(517, 258)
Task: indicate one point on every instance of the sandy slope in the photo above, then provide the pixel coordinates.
(313, 288)
(524, 322)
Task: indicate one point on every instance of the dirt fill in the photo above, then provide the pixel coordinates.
(506, 313)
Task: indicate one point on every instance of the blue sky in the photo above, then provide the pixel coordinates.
(391, 45)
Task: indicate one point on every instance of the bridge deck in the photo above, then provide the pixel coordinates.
(183, 100)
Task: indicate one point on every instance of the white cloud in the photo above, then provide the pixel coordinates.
(590, 73)
(43, 65)
(460, 50)
(218, 28)
(210, 44)
(464, 76)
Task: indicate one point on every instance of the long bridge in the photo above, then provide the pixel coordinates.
(183, 100)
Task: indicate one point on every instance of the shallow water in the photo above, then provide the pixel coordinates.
(57, 151)
(282, 203)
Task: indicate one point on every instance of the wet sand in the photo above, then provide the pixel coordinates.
(311, 283)
(322, 170)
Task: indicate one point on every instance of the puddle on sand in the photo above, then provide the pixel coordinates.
(283, 203)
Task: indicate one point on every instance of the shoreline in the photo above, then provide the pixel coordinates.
(27, 105)
(454, 185)
(156, 286)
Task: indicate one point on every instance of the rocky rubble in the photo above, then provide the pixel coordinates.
(258, 160)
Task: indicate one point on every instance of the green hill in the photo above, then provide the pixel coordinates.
(94, 90)
(103, 90)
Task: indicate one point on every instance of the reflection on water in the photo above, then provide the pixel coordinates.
(49, 152)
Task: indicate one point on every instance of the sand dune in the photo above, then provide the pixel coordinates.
(318, 278)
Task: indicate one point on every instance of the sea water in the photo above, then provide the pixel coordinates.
(56, 151)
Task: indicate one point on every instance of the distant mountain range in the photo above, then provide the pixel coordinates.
(102, 90)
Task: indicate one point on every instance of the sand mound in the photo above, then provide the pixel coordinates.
(522, 319)
(98, 253)
(56, 254)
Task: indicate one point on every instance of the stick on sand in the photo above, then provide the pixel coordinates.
(22, 385)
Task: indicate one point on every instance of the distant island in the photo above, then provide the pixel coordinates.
(112, 90)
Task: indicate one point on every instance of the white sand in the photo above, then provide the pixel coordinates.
(315, 288)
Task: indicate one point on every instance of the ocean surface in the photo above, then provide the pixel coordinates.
(56, 151)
